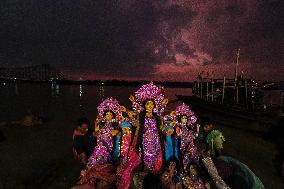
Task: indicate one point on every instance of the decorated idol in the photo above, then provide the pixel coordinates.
(169, 130)
(100, 170)
(145, 151)
(185, 122)
(124, 138)
(107, 127)
(149, 103)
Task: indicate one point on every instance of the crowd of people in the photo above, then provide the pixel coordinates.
(144, 148)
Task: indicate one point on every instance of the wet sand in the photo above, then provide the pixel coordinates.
(41, 157)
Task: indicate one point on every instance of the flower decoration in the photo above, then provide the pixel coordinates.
(149, 92)
(183, 109)
(109, 104)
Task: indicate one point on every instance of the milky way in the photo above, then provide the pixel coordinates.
(164, 40)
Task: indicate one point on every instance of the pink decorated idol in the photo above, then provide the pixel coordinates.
(185, 122)
(107, 125)
(149, 103)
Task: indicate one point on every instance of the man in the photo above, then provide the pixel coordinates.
(214, 139)
(83, 140)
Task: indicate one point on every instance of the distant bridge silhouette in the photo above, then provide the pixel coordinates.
(42, 72)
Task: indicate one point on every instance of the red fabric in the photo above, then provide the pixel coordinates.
(159, 162)
(75, 154)
(101, 172)
(126, 171)
(77, 133)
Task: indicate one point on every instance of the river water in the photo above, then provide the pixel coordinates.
(54, 100)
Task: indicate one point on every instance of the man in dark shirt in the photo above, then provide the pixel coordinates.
(83, 140)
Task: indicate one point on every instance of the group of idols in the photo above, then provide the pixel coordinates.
(144, 147)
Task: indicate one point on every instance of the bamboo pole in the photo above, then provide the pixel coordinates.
(195, 89)
(207, 90)
(237, 94)
(237, 66)
(198, 87)
(223, 90)
(236, 78)
(201, 89)
(246, 91)
(212, 90)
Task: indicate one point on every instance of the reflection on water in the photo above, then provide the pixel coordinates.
(64, 101)
(81, 91)
(16, 89)
(101, 92)
(57, 89)
(72, 101)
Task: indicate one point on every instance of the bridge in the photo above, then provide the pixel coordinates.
(42, 72)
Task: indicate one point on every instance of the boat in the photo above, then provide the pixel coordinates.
(235, 102)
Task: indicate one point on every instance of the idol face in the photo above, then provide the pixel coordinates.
(149, 106)
(183, 119)
(126, 131)
(108, 116)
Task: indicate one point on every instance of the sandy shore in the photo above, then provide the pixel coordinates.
(41, 157)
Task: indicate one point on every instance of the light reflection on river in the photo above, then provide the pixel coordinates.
(55, 101)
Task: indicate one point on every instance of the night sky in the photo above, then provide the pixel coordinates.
(144, 39)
